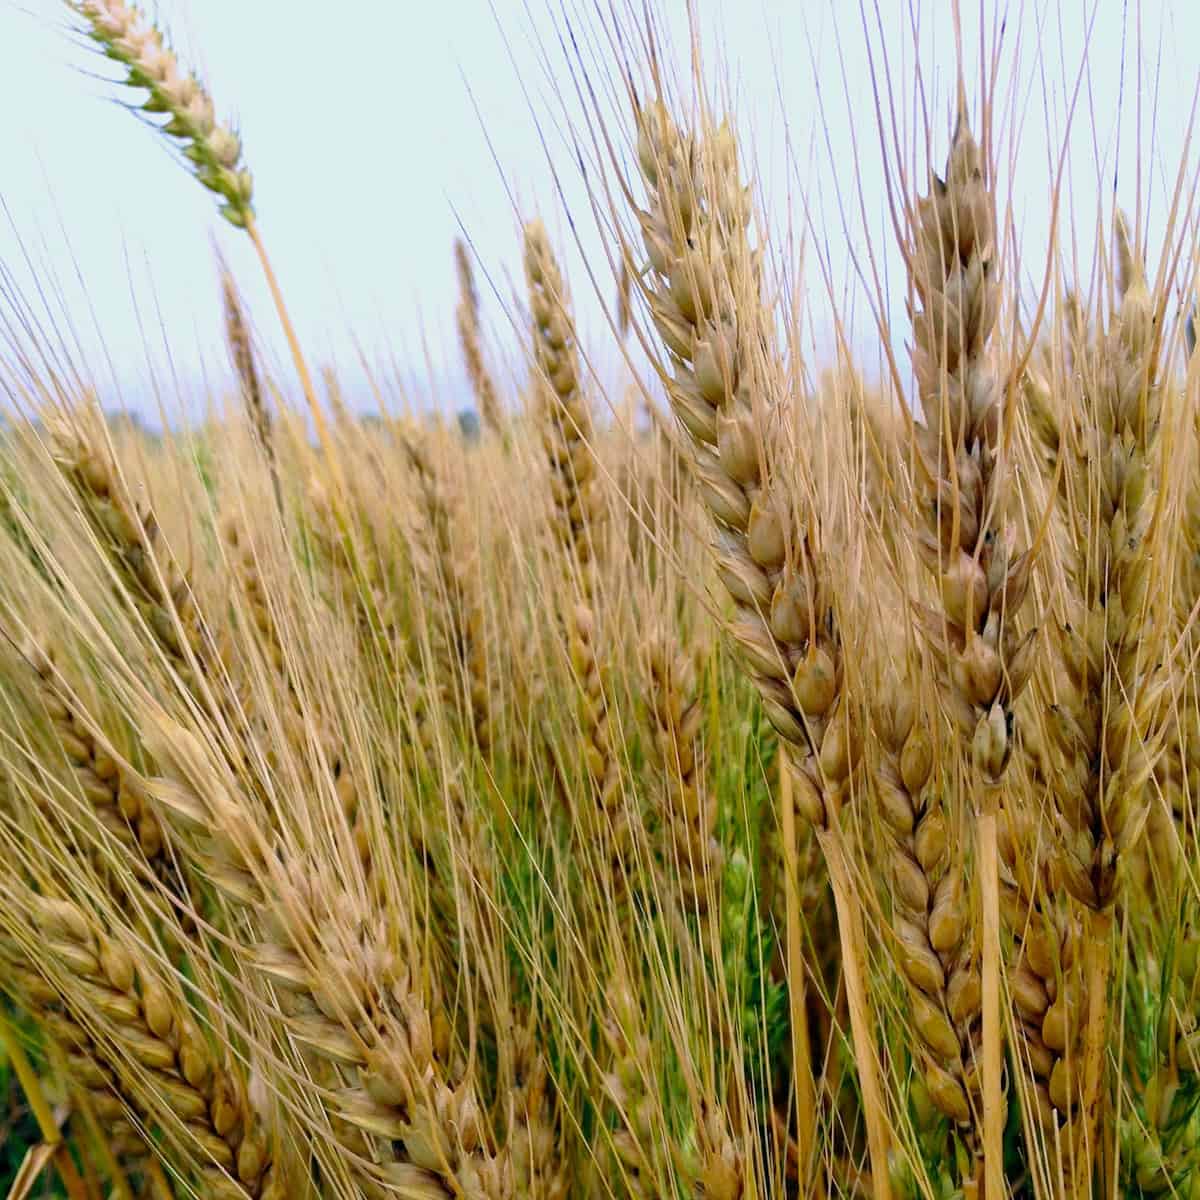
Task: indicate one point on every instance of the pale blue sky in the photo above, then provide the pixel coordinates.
(374, 126)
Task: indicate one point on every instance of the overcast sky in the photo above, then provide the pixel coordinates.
(374, 127)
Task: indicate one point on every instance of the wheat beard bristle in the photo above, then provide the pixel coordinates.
(563, 412)
(101, 978)
(359, 1007)
(692, 856)
(935, 936)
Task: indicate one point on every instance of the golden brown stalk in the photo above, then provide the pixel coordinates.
(563, 411)
(119, 807)
(726, 384)
(241, 351)
(931, 908)
(797, 872)
(103, 993)
(355, 993)
(471, 341)
(450, 562)
(691, 853)
(984, 664)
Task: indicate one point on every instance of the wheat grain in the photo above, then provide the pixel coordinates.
(360, 1007)
(110, 993)
(563, 411)
(214, 150)
(470, 339)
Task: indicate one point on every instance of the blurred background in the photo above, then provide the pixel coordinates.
(379, 130)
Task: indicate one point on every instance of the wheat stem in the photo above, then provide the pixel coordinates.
(994, 1111)
(801, 1050)
(1095, 1044)
(31, 1085)
(851, 935)
(306, 382)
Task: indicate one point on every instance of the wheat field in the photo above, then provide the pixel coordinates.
(777, 779)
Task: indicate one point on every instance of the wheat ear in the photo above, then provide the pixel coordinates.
(692, 854)
(563, 411)
(726, 385)
(241, 354)
(1107, 727)
(954, 271)
(931, 907)
(213, 149)
(454, 571)
(119, 807)
(155, 584)
(539, 1168)
(359, 1008)
(104, 984)
(1106, 719)
(470, 338)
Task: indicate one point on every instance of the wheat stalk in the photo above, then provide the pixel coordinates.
(106, 992)
(564, 412)
(361, 1009)
(724, 382)
(470, 339)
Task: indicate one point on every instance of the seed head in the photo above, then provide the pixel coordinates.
(215, 151)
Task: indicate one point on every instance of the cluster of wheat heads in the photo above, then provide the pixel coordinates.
(792, 797)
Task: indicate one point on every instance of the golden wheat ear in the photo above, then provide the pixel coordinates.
(128, 36)
(726, 381)
(213, 149)
(564, 413)
(241, 355)
(470, 338)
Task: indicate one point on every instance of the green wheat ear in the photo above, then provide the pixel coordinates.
(214, 150)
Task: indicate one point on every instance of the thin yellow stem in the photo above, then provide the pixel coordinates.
(306, 382)
(852, 938)
(801, 1051)
(1096, 965)
(31, 1085)
(43, 1114)
(160, 1186)
(993, 1027)
(114, 1170)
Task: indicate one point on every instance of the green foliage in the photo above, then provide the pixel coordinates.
(18, 1129)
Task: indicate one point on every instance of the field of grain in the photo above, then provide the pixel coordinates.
(779, 780)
